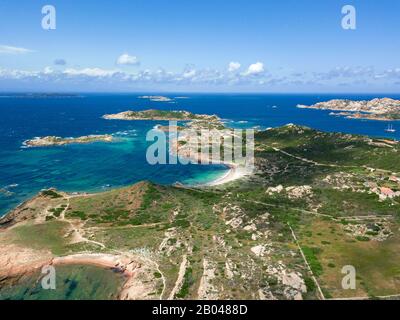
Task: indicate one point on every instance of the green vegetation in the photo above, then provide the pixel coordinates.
(187, 283)
(362, 238)
(310, 284)
(51, 194)
(49, 235)
(78, 214)
(165, 114)
(330, 148)
(323, 186)
(56, 211)
(311, 256)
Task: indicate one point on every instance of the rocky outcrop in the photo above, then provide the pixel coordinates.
(376, 109)
(58, 141)
(159, 115)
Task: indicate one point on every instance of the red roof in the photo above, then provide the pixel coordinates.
(387, 191)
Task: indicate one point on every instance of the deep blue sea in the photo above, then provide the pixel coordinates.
(99, 166)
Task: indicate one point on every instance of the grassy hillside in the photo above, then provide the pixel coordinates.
(311, 190)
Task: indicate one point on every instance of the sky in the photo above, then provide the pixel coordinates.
(200, 46)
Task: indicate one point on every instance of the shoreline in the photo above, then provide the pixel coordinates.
(234, 173)
(31, 261)
(380, 109)
(54, 141)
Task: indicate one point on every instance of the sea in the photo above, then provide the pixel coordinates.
(101, 166)
(73, 282)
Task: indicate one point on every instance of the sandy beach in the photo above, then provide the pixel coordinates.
(235, 172)
(137, 270)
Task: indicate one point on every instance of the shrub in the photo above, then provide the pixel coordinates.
(51, 194)
(311, 256)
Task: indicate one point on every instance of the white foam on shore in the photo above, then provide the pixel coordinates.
(235, 172)
(131, 132)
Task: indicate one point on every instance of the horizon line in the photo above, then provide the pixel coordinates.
(196, 92)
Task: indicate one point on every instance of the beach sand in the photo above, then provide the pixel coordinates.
(235, 172)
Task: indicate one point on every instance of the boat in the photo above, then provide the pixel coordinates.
(390, 128)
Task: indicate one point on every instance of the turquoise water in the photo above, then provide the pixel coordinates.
(91, 167)
(75, 282)
(100, 166)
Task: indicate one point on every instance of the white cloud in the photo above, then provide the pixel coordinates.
(255, 68)
(393, 73)
(13, 50)
(345, 72)
(90, 72)
(253, 75)
(189, 74)
(17, 74)
(233, 66)
(126, 59)
(48, 70)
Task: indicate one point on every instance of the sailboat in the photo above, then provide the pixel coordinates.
(390, 128)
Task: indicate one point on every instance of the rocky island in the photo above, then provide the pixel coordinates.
(160, 115)
(58, 141)
(384, 109)
(156, 98)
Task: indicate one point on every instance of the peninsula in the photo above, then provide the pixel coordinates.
(206, 128)
(384, 109)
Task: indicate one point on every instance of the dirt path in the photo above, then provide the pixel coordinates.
(128, 226)
(162, 276)
(308, 160)
(62, 214)
(327, 164)
(206, 290)
(77, 231)
(179, 280)
(368, 298)
(78, 234)
(308, 266)
(338, 219)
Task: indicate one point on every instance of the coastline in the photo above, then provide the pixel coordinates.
(235, 172)
(18, 262)
(141, 265)
(380, 109)
(50, 141)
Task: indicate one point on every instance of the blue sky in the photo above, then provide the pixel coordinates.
(200, 45)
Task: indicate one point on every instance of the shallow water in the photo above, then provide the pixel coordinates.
(100, 166)
(74, 282)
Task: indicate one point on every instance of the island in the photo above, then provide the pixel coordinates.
(316, 202)
(151, 114)
(156, 98)
(204, 127)
(58, 141)
(384, 109)
(38, 95)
